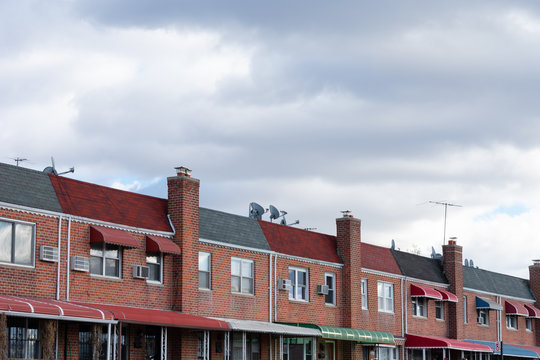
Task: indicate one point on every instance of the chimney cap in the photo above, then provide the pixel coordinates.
(183, 171)
(536, 262)
(347, 213)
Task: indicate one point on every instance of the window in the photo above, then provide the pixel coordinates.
(483, 316)
(511, 322)
(298, 348)
(465, 310)
(528, 324)
(364, 294)
(385, 293)
(419, 306)
(152, 342)
(17, 243)
(203, 345)
(23, 338)
(439, 310)
(242, 276)
(204, 270)
(299, 284)
(248, 341)
(387, 353)
(105, 259)
(330, 280)
(154, 261)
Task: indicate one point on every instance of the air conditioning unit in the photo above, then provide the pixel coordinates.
(48, 253)
(141, 272)
(284, 284)
(80, 263)
(322, 289)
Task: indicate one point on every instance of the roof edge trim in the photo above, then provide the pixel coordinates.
(36, 211)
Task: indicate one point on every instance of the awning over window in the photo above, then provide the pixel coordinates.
(508, 350)
(533, 311)
(486, 303)
(447, 296)
(432, 342)
(101, 234)
(161, 244)
(424, 291)
(133, 315)
(271, 328)
(52, 309)
(536, 349)
(363, 336)
(515, 308)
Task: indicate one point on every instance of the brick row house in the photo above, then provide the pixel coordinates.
(91, 272)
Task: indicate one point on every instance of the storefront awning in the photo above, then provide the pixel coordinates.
(52, 309)
(424, 291)
(133, 315)
(536, 349)
(161, 244)
(363, 336)
(515, 308)
(447, 296)
(486, 303)
(432, 342)
(101, 234)
(270, 328)
(508, 350)
(533, 311)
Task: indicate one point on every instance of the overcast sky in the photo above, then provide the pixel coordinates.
(312, 106)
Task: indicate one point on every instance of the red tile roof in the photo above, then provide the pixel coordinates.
(111, 205)
(379, 258)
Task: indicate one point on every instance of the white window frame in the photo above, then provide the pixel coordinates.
(382, 297)
(528, 324)
(391, 351)
(419, 306)
(293, 294)
(14, 223)
(439, 310)
(482, 317)
(331, 288)
(364, 294)
(206, 271)
(243, 261)
(159, 255)
(511, 322)
(104, 258)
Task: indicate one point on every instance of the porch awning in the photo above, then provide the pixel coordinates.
(363, 336)
(536, 349)
(508, 349)
(270, 328)
(52, 309)
(533, 311)
(447, 296)
(133, 315)
(102, 234)
(486, 303)
(515, 308)
(424, 291)
(432, 342)
(161, 244)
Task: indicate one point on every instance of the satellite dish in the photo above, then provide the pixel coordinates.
(393, 245)
(471, 263)
(466, 262)
(274, 212)
(52, 169)
(255, 211)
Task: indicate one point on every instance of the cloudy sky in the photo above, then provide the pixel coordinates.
(312, 106)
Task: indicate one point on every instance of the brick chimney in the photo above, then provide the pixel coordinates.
(534, 283)
(453, 269)
(183, 208)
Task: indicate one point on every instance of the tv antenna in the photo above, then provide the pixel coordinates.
(446, 205)
(52, 169)
(18, 160)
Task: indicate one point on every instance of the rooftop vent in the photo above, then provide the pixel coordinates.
(183, 171)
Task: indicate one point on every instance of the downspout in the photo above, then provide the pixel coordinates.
(275, 292)
(270, 288)
(59, 257)
(404, 312)
(67, 257)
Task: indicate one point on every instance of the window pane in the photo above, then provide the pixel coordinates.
(247, 286)
(247, 268)
(204, 280)
(111, 267)
(23, 244)
(155, 272)
(153, 259)
(111, 251)
(204, 261)
(235, 284)
(96, 249)
(96, 265)
(389, 291)
(235, 267)
(302, 278)
(5, 241)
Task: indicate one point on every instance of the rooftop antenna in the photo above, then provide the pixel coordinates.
(256, 211)
(274, 213)
(18, 160)
(446, 205)
(52, 169)
(393, 247)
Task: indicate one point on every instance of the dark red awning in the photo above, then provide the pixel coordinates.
(51, 309)
(161, 244)
(101, 234)
(447, 296)
(156, 317)
(533, 311)
(515, 308)
(424, 291)
(432, 342)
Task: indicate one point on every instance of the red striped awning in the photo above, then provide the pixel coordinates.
(101, 234)
(156, 317)
(432, 342)
(533, 311)
(423, 291)
(447, 296)
(515, 308)
(53, 309)
(161, 244)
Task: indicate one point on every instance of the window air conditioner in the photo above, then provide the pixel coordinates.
(284, 284)
(322, 289)
(80, 263)
(141, 272)
(48, 253)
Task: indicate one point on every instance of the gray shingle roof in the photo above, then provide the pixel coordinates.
(231, 229)
(420, 267)
(484, 280)
(27, 187)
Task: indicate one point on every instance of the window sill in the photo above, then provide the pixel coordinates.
(206, 290)
(242, 294)
(511, 329)
(105, 277)
(386, 312)
(420, 317)
(299, 301)
(154, 283)
(28, 267)
(330, 305)
(441, 320)
(483, 325)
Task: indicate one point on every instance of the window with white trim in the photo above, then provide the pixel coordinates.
(419, 306)
(241, 276)
(482, 316)
(439, 310)
(154, 263)
(385, 294)
(204, 270)
(17, 242)
(330, 281)
(465, 310)
(363, 291)
(387, 353)
(511, 322)
(528, 324)
(299, 284)
(105, 259)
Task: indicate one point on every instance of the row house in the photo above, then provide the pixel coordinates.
(93, 272)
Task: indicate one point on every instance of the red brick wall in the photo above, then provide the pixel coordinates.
(428, 325)
(473, 330)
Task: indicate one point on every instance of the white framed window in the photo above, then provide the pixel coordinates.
(439, 310)
(154, 262)
(419, 306)
(241, 276)
(387, 353)
(465, 310)
(363, 291)
(528, 324)
(299, 284)
(511, 322)
(105, 260)
(330, 281)
(204, 270)
(385, 294)
(17, 242)
(482, 316)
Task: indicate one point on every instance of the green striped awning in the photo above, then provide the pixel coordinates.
(363, 336)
